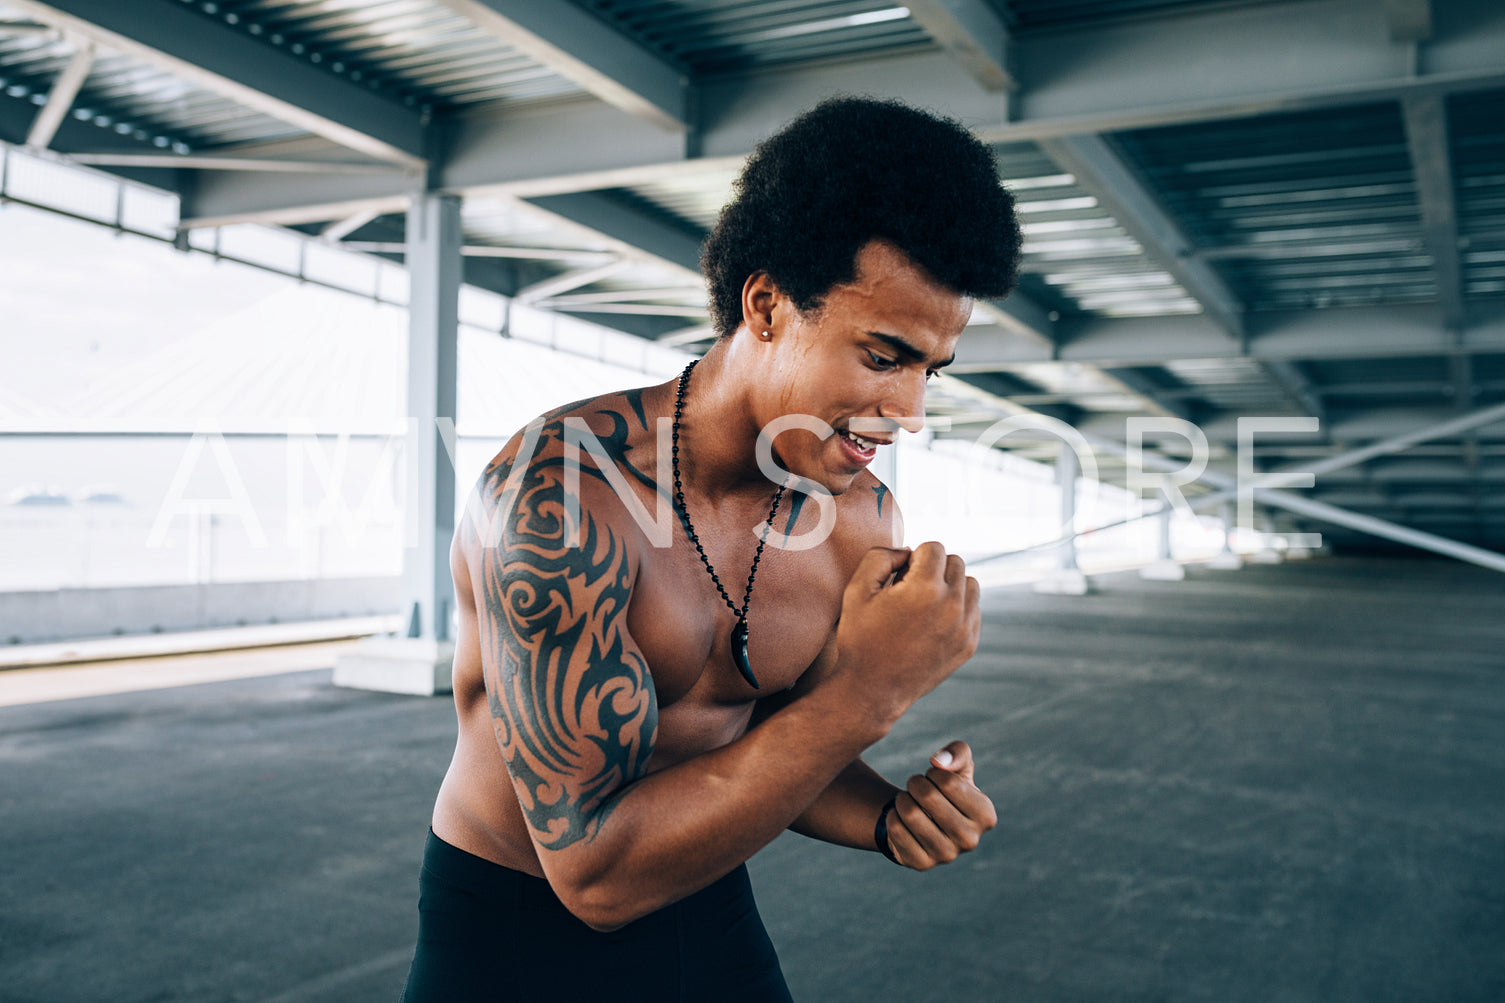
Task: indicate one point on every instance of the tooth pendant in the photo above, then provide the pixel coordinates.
(739, 653)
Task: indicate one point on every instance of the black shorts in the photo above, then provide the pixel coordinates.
(488, 932)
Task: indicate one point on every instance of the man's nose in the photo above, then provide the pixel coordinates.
(906, 406)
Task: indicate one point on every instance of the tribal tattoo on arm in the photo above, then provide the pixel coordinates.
(572, 700)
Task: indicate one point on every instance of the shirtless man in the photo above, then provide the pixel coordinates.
(617, 762)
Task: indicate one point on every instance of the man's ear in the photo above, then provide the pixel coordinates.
(759, 297)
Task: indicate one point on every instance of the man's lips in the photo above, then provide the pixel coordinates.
(873, 430)
(865, 443)
(859, 449)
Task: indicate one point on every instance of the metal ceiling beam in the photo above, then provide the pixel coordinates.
(1138, 383)
(1426, 470)
(219, 58)
(1391, 423)
(64, 91)
(970, 32)
(222, 163)
(226, 198)
(1225, 485)
(1462, 369)
(1432, 162)
(1382, 528)
(1224, 62)
(1339, 333)
(687, 336)
(1293, 383)
(634, 231)
(1386, 388)
(1462, 424)
(573, 279)
(568, 148)
(1227, 489)
(1021, 315)
(623, 309)
(581, 47)
(1410, 21)
(342, 228)
(300, 215)
(1103, 174)
(639, 295)
(490, 251)
(26, 29)
(1201, 64)
(16, 118)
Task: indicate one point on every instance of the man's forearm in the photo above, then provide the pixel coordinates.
(847, 810)
(677, 830)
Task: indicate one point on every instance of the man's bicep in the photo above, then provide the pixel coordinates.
(571, 697)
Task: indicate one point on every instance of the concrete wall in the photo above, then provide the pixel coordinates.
(71, 614)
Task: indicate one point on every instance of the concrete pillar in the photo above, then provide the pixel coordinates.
(1066, 578)
(419, 659)
(1226, 559)
(1165, 568)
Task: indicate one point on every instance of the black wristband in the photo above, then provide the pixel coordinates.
(880, 831)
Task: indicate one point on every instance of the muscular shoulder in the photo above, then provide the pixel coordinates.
(576, 459)
(618, 418)
(867, 516)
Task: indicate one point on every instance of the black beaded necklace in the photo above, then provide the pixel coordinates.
(739, 632)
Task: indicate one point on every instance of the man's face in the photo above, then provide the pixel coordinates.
(859, 363)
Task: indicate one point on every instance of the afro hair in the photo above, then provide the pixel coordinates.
(849, 171)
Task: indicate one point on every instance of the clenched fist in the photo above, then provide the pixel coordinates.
(908, 620)
(941, 814)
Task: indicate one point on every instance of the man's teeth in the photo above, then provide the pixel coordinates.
(861, 442)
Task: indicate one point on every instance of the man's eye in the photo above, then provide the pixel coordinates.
(931, 374)
(882, 362)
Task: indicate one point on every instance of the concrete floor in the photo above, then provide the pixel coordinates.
(1281, 783)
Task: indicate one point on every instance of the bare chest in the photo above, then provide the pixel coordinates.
(684, 627)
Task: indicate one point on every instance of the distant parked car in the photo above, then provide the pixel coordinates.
(38, 494)
(103, 494)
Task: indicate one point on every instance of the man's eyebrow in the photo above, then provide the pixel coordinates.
(907, 350)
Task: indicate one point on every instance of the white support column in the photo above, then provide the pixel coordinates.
(1226, 559)
(1067, 578)
(420, 661)
(1165, 568)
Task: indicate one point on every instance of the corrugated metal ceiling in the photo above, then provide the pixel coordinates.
(417, 50)
(130, 97)
(1027, 15)
(1477, 126)
(1295, 211)
(718, 36)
